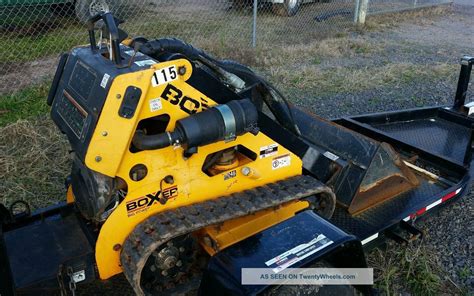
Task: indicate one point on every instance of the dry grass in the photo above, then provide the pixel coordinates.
(33, 162)
(264, 56)
(422, 16)
(344, 79)
(315, 66)
(414, 268)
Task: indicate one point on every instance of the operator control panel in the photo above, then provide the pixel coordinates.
(83, 88)
(72, 114)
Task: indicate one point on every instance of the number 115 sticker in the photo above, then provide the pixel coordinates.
(164, 75)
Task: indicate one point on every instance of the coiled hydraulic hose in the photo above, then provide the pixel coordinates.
(157, 47)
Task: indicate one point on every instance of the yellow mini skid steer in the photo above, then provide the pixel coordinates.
(187, 169)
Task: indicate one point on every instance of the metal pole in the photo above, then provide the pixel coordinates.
(254, 31)
(463, 82)
(356, 11)
(363, 7)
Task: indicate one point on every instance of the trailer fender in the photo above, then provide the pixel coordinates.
(311, 237)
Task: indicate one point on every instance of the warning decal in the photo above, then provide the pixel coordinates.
(104, 81)
(155, 105)
(281, 161)
(298, 253)
(270, 150)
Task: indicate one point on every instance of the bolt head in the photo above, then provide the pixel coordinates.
(170, 261)
(117, 247)
(246, 171)
(105, 133)
(98, 158)
(182, 70)
(118, 96)
(207, 241)
(164, 273)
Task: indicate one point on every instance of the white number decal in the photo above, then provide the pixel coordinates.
(164, 75)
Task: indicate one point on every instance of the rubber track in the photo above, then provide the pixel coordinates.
(160, 228)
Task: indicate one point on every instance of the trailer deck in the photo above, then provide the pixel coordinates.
(439, 141)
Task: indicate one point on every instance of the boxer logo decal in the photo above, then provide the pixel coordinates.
(143, 203)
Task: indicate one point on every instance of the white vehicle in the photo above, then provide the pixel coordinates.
(280, 7)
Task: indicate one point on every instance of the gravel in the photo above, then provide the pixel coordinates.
(450, 233)
(439, 40)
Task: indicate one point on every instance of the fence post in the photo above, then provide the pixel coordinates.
(254, 28)
(356, 10)
(363, 6)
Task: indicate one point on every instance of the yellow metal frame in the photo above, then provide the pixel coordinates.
(109, 154)
(69, 195)
(215, 238)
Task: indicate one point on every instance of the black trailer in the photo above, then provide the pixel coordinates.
(438, 140)
(435, 144)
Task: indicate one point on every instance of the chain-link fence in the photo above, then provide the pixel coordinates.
(384, 6)
(34, 32)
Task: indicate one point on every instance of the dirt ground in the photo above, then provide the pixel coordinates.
(396, 62)
(26, 74)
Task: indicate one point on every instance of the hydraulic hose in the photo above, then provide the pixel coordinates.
(274, 99)
(156, 48)
(160, 46)
(151, 142)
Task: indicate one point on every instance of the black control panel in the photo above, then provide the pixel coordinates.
(83, 86)
(72, 113)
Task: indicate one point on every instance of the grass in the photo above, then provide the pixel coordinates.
(344, 80)
(217, 30)
(15, 48)
(33, 154)
(420, 16)
(413, 268)
(33, 162)
(25, 104)
(465, 272)
(45, 34)
(48, 35)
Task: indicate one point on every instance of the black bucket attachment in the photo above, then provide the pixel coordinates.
(363, 172)
(386, 177)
